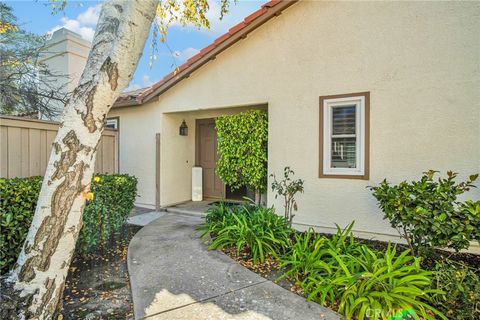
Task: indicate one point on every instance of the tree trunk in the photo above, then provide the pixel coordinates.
(43, 264)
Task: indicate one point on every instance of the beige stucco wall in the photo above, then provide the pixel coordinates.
(420, 62)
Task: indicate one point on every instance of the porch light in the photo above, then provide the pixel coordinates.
(183, 129)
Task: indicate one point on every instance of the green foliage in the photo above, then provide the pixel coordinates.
(428, 214)
(287, 188)
(463, 287)
(358, 281)
(220, 216)
(242, 146)
(113, 199)
(311, 251)
(18, 198)
(257, 230)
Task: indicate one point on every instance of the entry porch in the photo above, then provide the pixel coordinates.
(189, 139)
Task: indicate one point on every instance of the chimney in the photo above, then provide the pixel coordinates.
(65, 54)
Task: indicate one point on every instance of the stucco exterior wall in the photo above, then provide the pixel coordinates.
(420, 62)
(137, 129)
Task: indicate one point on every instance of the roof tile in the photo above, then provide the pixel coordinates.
(139, 95)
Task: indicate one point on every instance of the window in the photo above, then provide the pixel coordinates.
(344, 136)
(112, 123)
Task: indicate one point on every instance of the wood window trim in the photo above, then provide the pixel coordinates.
(366, 172)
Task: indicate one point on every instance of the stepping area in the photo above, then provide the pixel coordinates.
(174, 276)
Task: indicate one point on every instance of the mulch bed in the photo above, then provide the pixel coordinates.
(270, 269)
(98, 286)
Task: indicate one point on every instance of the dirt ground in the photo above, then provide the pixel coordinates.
(98, 286)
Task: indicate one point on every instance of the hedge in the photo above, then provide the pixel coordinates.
(113, 199)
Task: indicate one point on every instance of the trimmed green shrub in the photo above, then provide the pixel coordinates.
(257, 230)
(18, 198)
(463, 287)
(427, 213)
(113, 199)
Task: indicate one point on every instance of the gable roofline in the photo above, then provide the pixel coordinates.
(238, 32)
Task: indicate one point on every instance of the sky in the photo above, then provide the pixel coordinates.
(181, 42)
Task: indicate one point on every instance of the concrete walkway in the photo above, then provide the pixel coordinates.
(174, 276)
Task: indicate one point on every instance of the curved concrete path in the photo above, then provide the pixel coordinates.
(174, 276)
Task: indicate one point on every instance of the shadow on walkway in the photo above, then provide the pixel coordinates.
(174, 276)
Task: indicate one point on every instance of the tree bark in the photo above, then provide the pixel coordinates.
(42, 266)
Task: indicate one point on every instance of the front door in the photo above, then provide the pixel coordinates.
(207, 157)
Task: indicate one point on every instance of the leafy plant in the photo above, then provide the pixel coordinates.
(311, 251)
(463, 287)
(113, 199)
(220, 216)
(18, 198)
(242, 147)
(427, 213)
(260, 232)
(288, 188)
(371, 284)
(356, 280)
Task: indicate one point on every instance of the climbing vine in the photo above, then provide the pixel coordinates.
(242, 147)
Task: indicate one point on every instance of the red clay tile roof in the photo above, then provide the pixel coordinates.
(266, 12)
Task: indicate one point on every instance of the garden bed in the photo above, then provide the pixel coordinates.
(98, 286)
(356, 277)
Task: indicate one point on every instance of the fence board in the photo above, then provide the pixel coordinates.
(25, 147)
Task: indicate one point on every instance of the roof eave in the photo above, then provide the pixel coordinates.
(234, 35)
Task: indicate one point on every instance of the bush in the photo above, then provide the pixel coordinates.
(255, 229)
(357, 281)
(463, 287)
(18, 198)
(427, 213)
(114, 197)
(242, 147)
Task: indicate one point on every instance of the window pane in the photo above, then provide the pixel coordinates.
(344, 153)
(343, 119)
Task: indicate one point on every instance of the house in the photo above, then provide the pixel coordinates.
(355, 92)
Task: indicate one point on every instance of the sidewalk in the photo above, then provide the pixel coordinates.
(174, 276)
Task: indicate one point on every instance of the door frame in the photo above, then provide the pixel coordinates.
(198, 122)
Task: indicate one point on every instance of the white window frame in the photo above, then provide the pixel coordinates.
(114, 120)
(328, 105)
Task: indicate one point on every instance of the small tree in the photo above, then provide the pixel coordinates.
(27, 86)
(288, 188)
(427, 213)
(242, 146)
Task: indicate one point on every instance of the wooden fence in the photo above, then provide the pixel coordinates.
(25, 146)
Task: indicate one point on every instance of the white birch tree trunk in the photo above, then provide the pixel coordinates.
(42, 266)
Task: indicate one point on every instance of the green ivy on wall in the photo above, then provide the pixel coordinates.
(242, 148)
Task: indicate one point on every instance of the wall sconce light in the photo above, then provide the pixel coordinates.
(183, 129)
